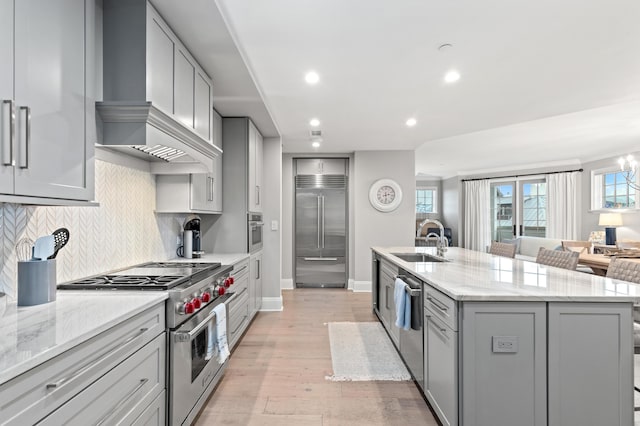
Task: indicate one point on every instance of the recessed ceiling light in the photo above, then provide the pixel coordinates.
(316, 144)
(312, 77)
(451, 76)
(314, 122)
(411, 122)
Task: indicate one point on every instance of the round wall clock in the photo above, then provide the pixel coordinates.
(385, 195)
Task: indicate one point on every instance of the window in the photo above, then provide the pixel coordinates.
(426, 200)
(609, 190)
(518, 208)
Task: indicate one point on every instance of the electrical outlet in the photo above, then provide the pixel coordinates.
(274, 225)
(505, 344)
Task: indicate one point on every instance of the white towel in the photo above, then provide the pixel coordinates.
(221, 332)
(403, 305)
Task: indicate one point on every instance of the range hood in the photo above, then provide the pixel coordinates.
(144, 131)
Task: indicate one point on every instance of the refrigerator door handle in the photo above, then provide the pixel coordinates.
(323, 221)
(319, 259)
(318, 225)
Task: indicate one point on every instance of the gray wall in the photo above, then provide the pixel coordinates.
(374, 228)
(272, 183)
(452, 208)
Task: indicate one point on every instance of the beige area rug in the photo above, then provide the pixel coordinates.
(362, 351)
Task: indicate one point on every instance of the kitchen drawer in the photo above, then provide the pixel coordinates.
(121, 395)
(238, 318)
(442, 306)
(155, 414)
(38, 392)
(240, 274)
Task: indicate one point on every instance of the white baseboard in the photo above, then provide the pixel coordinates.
(286, 283)
(271, 304)
(360, 286)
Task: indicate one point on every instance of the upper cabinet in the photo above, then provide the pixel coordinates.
(255, 189)
(47, 124)
(321, 166)
(155, 92)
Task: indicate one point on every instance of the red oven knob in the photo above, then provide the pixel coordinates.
(206, 297)
(227, 282)
(232, 280)
(196, 302)
(221, 290)
(189, 308)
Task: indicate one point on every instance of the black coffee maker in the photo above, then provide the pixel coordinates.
(192, 223)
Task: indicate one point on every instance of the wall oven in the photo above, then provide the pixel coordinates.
(255, 225)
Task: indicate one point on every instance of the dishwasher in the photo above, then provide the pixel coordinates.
(411, 340)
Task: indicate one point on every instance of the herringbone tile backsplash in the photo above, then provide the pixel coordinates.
(123, 231)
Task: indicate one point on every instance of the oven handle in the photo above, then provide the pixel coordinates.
(183, 336)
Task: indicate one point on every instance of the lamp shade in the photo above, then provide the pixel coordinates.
(610, 219)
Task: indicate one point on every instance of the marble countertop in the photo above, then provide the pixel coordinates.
(32, 335)
(475, 276)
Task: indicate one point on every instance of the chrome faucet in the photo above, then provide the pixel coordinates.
(442, 242)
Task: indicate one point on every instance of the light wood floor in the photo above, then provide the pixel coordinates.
(276, 375)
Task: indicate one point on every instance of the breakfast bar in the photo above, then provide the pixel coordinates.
(508, 341)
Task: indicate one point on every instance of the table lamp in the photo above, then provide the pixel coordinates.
(610, 221)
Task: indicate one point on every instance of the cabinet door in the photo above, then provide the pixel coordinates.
(160, 51)
(202, 192)
(217, 129)
(216, 184)
(6, 96)
(259, 185)
(252, 189)
(309, 166)
(333, 166)
(255, 283)
(202, 106)
(184, 89)
(50, 96)
(258, 294)
(441, 368)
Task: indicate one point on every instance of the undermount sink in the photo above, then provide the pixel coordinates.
(418, 257)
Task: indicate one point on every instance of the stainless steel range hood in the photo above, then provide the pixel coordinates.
(144, 131)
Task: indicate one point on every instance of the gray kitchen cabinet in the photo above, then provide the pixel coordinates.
(388, 281)
(441, 368)
(503, 363)
(321, 166)
(49, 153)
(115, 375)
(121, 395)
(190, 193)
(183, 88)
(155, 414)
(599, 369)
(217, 128)
(255, 188)
(239, 311)
(202, 107)
(255, 283)
(160, 64)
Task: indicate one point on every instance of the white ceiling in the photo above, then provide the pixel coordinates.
(542, 81)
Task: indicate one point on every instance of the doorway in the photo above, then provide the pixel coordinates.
(518, 208)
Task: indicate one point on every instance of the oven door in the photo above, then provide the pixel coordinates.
(255, 236)
(194, 364)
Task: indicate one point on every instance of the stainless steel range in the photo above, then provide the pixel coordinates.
(194, 289)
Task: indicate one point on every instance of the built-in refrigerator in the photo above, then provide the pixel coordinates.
(321, 230)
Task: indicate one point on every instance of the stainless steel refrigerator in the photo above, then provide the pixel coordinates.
(321, 231)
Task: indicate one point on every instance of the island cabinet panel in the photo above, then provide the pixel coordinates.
(504, 364)
(597, 369)
(387, 282)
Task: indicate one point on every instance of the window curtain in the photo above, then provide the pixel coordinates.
(562, 205)
(477, 215)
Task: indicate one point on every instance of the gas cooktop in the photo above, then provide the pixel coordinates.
(147, 276)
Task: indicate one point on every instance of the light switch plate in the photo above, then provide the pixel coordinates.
(274, 225)
(505, 344)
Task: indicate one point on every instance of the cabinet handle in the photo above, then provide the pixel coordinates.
(122, 401)
(257, 195)
(213, 188)
(25, 138)
(437, 304)
(8, 134)
(257, 269)
(91, 364)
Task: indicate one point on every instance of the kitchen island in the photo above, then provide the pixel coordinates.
(508, 341)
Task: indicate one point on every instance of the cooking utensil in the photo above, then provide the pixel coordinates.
(24, 248)
(44, 247)
(61, 237)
